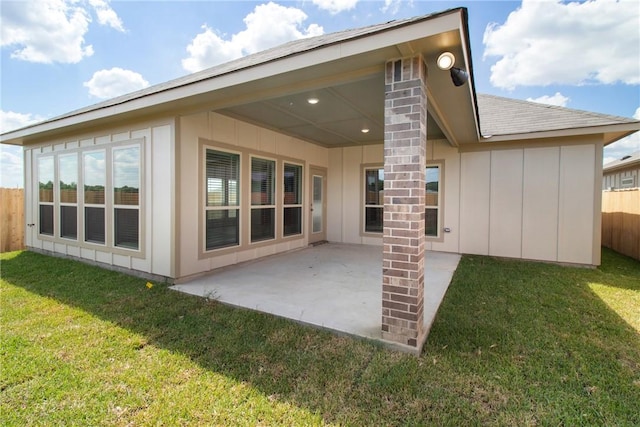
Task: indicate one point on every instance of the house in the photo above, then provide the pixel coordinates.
(622, 173)
(373, 136)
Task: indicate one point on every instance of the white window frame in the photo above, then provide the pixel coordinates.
(53, 196)
(237, 208)
(62, 204)
(366, 205)
(626, 182)
(438, 208)
(286, 205)
(102, 206)
(115, 206)
(274, 198)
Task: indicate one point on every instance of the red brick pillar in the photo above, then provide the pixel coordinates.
(405, 138)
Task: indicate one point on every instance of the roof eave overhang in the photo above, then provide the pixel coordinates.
(610, 133)
(621, 166)
(361, 54)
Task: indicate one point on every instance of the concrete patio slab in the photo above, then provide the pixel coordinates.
(333, 286)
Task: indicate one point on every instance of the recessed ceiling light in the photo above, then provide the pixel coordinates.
(313, 101)
(364, 130)
(446, 61)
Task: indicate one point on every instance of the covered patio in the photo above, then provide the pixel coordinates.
(332, 286)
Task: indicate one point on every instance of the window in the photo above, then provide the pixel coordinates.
(222, 206)
(432, 201)
(292, 206)
(262, 199)
(373, 200)
(45, 194)
(626, 182)
(68, 187)
(94, 175)
(126, 193)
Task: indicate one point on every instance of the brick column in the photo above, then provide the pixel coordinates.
(405, 138)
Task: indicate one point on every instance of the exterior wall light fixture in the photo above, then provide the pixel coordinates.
(458, 75)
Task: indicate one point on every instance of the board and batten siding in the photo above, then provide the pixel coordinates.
(613, 179)
(156, 256)
(532, 203)
(346, 198)
(214, 130)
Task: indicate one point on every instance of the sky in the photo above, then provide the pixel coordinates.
(61, 55)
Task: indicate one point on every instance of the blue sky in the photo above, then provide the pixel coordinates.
(60, 55)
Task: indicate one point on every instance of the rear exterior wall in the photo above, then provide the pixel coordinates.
(524, 199)
(209, 130)
(154, 255)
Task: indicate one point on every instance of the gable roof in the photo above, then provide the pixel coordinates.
(499, 119)
(505, 117)
(359, 47)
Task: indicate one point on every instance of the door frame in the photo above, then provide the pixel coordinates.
(315, 237)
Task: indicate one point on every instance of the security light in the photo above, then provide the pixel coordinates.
(446, 61)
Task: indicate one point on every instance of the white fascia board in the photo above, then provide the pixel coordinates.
(624, 129)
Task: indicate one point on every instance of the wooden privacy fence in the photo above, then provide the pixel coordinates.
(621, 221)
(11, 219)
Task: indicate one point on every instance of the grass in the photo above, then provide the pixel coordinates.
(514, 343)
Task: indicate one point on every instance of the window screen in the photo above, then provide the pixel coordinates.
(126, 228)
(94, 225)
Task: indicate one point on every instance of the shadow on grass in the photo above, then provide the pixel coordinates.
(513, 343)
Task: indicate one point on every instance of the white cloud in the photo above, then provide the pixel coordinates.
(335, 6)
(11, 171)
(10, 120)
(210, 48)
(47, 31)
(558, 99)
(550, 42)
(114, 82)
(623, 147)
(106, 15)
(393, 6)
(11, 156)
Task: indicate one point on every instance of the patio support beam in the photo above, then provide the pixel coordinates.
(405, 137)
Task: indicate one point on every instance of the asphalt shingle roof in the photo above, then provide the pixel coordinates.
(626, 160)
(505, 116)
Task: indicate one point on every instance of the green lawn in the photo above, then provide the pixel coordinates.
(514, 343)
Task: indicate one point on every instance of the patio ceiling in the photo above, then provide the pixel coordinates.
(337, 119)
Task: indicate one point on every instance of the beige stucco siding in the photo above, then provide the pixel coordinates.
(156, 139)
(214, 130)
